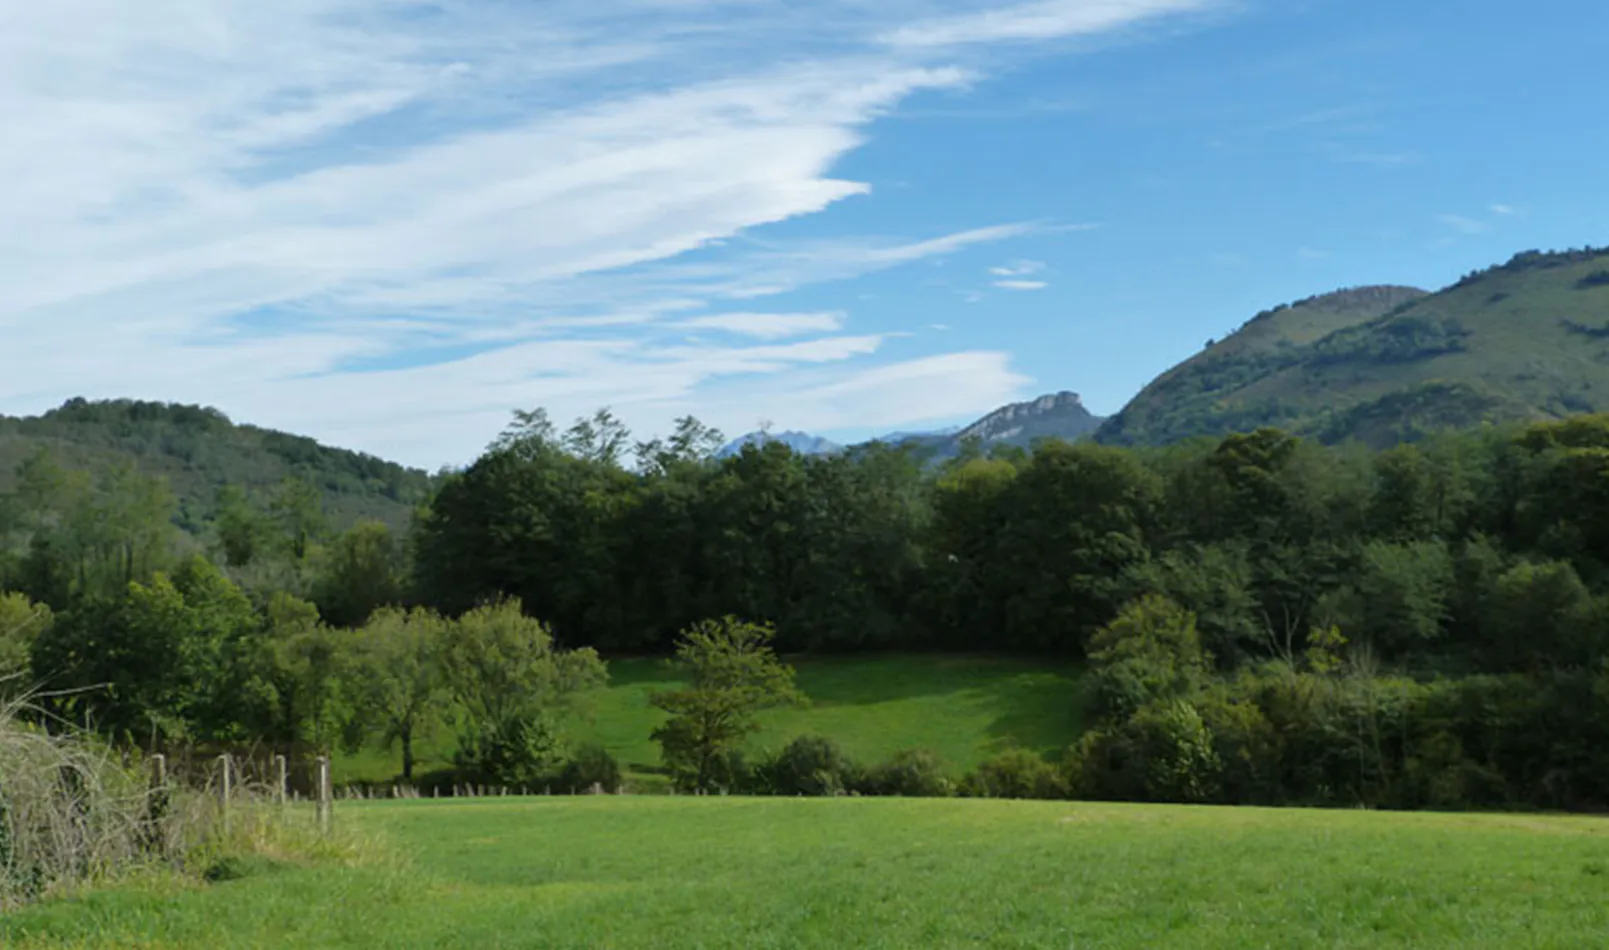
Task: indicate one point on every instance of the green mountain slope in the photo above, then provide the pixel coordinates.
(198, 450)
(1526, 340)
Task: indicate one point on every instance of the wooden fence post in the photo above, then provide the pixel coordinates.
(281, 780)
(225, 781)
(325, 793)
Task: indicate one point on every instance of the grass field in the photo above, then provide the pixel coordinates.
(962, 707)
(661, 872)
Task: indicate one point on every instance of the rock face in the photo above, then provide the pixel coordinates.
(1060, 415)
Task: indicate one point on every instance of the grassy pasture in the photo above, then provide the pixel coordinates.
(661, 872)
(964, 708)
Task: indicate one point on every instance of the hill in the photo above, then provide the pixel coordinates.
(199, 449)
(1526, 340)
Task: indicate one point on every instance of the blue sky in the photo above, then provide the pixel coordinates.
(387, 223)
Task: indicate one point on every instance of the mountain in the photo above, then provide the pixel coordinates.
(896, 438)
(1058, 415)
(802, 443)
(199, 449)
(1525, 340)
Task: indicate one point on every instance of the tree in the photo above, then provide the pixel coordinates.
(1077, 516)
(1149, 653)
(361, 571)
(735, 674)
(396, 673)
(531, 433)
(304, 674)
(511, 683)
(602, 439)
(298, 508)
(21, 622)
(692, 443)
(240, 526)
(168, 657)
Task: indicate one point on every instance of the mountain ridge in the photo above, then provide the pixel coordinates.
(1520, 341)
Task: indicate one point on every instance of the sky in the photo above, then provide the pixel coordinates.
(388, 224)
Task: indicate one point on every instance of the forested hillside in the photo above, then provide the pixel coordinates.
(199, 450)
(1524, 341)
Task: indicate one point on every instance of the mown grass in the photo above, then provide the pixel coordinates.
(964, 708)
(660, 872)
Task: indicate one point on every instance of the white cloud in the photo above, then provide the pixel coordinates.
(1042, 20)
(1463, 224)
(767, 326)
(1018, 269)
(1021, 284)
(387, 224)
(1503, 210)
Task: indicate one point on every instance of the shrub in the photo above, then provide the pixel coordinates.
(1150, 651)
(515, 753)
(1015, 773)
(590, 765)
(1163, 753)
(810, 765)
(913, 773)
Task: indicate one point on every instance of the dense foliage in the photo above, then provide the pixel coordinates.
(1264, 618)
(200, 451)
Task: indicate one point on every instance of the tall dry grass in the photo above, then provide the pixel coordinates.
(75, 813)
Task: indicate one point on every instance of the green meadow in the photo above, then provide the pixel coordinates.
(964, 708)
(712, 873)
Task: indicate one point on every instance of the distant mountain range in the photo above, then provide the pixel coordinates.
(1059, 415)
(803, 443)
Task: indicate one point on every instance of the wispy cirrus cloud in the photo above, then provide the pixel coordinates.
(1020, 284)
(387, 223)
(767, 326)
(1018, 269)
(1043, 20)
(1464, 224)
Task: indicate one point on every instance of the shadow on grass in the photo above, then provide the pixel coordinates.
(1042, 713)
(864, 680)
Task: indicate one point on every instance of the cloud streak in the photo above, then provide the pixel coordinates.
(1043, 20)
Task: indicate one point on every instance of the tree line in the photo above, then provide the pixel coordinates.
(1265, 619)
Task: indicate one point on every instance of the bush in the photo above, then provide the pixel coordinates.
(1163, 753)
(590, 765)
(1151, 651)
(517, 754)
(810, 765)
(1016, 773)
(913, 773)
